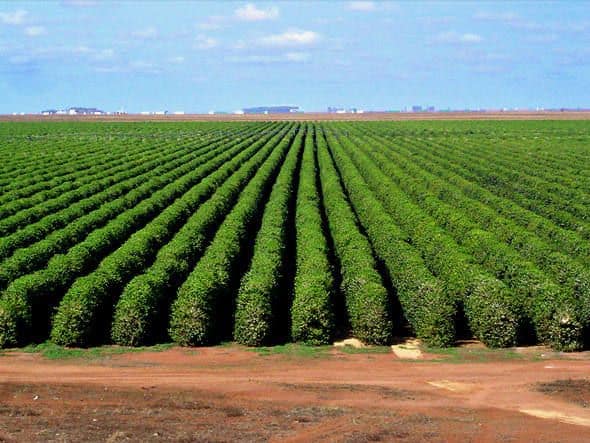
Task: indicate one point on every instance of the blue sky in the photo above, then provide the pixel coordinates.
(198, 56)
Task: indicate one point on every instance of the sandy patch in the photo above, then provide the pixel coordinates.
(353, 342)
(408, 350)
(555, 415)
(454, 386)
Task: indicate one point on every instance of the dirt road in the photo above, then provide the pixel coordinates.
(233, 394)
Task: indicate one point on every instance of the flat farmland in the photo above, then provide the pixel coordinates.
(262, 233)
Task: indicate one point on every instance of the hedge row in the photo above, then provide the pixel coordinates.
(27, 301)
(495, 317)
(479, 171)
(61, 157)
(555, 312)
(89, 303)
(19, 212)
(202, 311)
(367, 301)
(145, 300)
(134, 177)
(68, 175)
(430, 312)
(555, 196)
(262, 292)
(35, 256)
(55, 163)
(312, 314)
(499, 214)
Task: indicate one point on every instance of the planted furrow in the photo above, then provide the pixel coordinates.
(60, 201)
(202, 312)
(31, 296)
(555, 311)
(27, 196)
(478, 171)
(87, 219)
(494, 314)
(312, 312)
(141, 312)
(263, 290)
(366, 298)
(426, 306)
(497, 212)
(89, 303)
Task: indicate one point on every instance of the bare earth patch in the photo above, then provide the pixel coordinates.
(574, 391)
(229, 393)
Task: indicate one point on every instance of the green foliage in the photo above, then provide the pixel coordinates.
(89, 302)
(426, 306)
(200, 310)
(257, 309)
(312, 315)
(367, 300)
(478, 222)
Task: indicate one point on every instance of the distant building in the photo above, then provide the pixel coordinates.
(73, 111)
(271, 110)
(416, 108)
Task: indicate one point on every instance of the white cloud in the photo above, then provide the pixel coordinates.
(506, 17)
(250, 13)
(458, 38)
(81, 3)
(146, 33)
(511, 19)
(176, 60)
(13, 18)
(143, 67)
(291, 37)
(35, 31)
(297, 56)
(204, 42)
(103, 54)
(20, 60)
(289, 57)
(212, 24)
(363, 6)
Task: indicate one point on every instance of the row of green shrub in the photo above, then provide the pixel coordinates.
(142, 309)
(45, 288)
(59, 158)
(367, 301)
(559, 313)
(202, 312)
(497, 213)
(88, 305)
(35, 256)
(528, 180)
(498, 182)
(22, 211)
(493, 315)
(312, 313)
(262, 292)
(72, 216)
(53, 168)
(429, 311)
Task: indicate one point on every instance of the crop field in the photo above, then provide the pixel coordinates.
(278, 231)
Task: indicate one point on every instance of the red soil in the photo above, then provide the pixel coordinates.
(231, 394)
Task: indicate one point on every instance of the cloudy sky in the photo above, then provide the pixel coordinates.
(197, 56)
